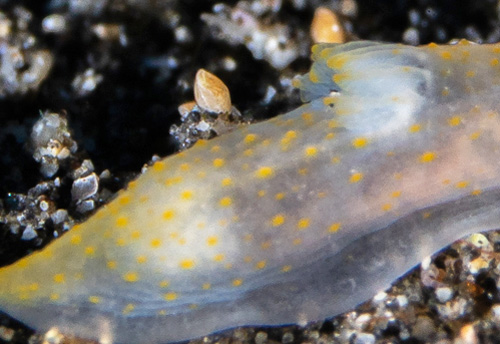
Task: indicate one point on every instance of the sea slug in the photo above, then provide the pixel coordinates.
(394, 154)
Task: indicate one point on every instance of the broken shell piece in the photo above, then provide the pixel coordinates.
(210, 93)
(186, 108)
(326, 27)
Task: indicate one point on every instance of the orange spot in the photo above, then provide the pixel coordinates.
(334, 227)
(130, 277)
(356, 177)
(122, 221)
(218, 162)
(237, 282)
(225, 202)
(264, 172)
(171, 296)
(278, 220)
(187, 264)
(360, 142)
(427, 157)
(168, 214)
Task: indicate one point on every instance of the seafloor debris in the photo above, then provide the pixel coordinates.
(85, 83)
(210, 93)
(210, 115)
(244, 24)
(23, 66)
(52, 142)
(326, 27)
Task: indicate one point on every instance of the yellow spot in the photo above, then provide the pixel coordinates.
(266, 142)
(475, 135)
(329, 136)
(475, 192)
(215, 149)
(496, 50)
(470, 74)
(121, 221)
(111, 264)
(159, 166)
(427, 157)
(248, 152)
(187, 195)
(335, 160)
(386, 207)
(278, 220)
(336, 62)
(261, 193)
(445, 91)
(131, 277)
(279, 196)
(168, 214)
(124, 199)
(288, 138)
(219, 162)
(89, 250)
(415, 128)
(186, 264)
(212, 241)
(265, 245)
(334, 227)
(356, 177)
(237, 282)
(311, 151)
(219, 257)
(206, 286)
(141, 259)
(59, 278)
(303, 171)
(250, 138)
(307, 117)
(94, 299)
(164, 284)
(128, 308)
(75, 239)
(54, 296)
(286, 268)
(494, 62)
(184, 167)
(359, 142)
(225, 202)
(303, 223)
(396, 194)
(201, 174)
(313, 76)
(171, 296)
(461, 184)
(155, 243)
(426, 215)
(338, 78)
(329, 100)
(446, 55)
(260, 264)
(121, 242)
(297, 241)
(264, 172)
(173, 181)
(454, 121)
(227, 182)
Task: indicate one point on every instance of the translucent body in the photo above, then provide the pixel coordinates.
(394, 155)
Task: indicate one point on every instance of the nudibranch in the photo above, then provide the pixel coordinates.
(394, 154)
